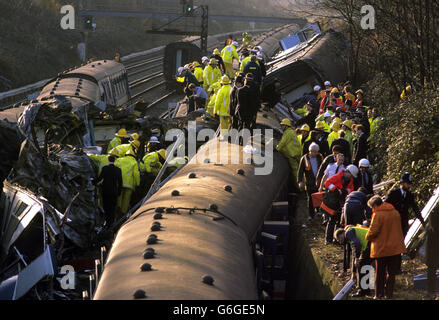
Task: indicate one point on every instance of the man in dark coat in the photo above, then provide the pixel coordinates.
(403, 199)
(308, 166)
(111, 177)
(253, 67)
(344, 144)
(364, 178)
(360, 145)
(355, 209)
(239, 83)
(248, 103)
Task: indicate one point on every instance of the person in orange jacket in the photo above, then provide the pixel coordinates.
(387, 245)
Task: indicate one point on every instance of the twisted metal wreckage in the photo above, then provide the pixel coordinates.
(49, 202)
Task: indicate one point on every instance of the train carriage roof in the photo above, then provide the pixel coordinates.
(96, 71)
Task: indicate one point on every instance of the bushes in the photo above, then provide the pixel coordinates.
(407, 139)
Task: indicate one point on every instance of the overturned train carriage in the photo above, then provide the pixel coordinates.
(206, 230)
(320, 59)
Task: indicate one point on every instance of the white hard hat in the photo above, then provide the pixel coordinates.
(364, 163)
(204, 59)
(327, 114)
(180, 70)
(353, 170)
(327, 83)
(235, 43)
(259, 48)
(317, 88)
(186, 66)
(314, 146)
(259, 55)
(154, 139)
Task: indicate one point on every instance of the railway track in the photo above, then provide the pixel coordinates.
(147, 79)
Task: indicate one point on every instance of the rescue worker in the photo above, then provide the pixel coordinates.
(244, 59)
(198, 98)
(211, 105)
(291, 149)
(374, 119)
(130, 179)
(217, 56)
(187, 77)
(229, 40)
(101, 160)
(247, 40)
(355, 209)
(356, 236)
(348, 96)
(333, 169)
(407, 91)
(198, 72)
(365, 177)
(153, 162)
(304, 135)
(309, 117)
(211, 74)
(254, 68)
(335, 127)
(339, 186)
(123, 148)
(387, 245)
(228, 54)
(153, 144)
(204, 62)
(347, 127)
(309, 166)
(176, 163)
(261, 64)
(327, 117)
(121, 137)
(222, 105)
(111, 177)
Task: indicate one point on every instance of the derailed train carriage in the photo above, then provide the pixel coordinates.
(194, 238)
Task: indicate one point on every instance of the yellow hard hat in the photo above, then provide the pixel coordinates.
(286, 122)
(338, 120)
(305, 127)
(130, 153)
(225, 80)
(359, 91)
(334, 90)
(213, 61)
(114, 152)
(162, 153)
(216, 51)
(122, 133)
(135, 143)
(320, 125)
(195, 64)
(348, 123)
(135, 136)
(335, 126)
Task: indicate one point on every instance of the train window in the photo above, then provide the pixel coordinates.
(19, 209)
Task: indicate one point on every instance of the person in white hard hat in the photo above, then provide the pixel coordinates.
(339, 186)
(328, 85)
(364, 178)
(205, 61)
